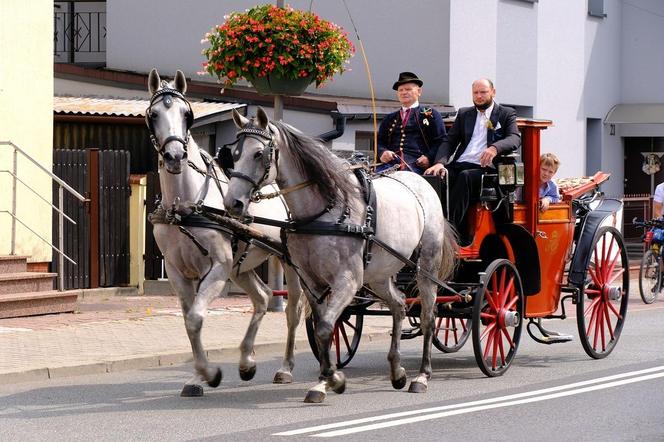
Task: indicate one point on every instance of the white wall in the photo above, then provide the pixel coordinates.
(642, 51)
(26, 119)
(560, 77)
(169, 39)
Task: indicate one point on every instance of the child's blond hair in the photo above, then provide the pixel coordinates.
(550, 159)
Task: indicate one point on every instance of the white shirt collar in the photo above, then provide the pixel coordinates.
(488, 111)
(413, 106)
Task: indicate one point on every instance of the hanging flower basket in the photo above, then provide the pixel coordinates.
(275, 84)
(270, 46)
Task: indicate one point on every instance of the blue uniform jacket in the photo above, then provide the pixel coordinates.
(423, 134)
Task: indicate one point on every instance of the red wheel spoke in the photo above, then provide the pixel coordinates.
(487, 330)
(455, 331)
(502, 350)
(502, 291)
(593, 276)
(512, 302)
(592, 304)
(615, 275)
(609, 326)
(489, 296)
(509, 338)
(614, 310)
(489, 343)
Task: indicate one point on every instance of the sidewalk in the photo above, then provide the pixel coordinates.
(112, 331)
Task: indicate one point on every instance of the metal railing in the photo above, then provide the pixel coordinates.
(79, 33)
(62, 186)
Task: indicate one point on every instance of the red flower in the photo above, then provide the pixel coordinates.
(266, 39)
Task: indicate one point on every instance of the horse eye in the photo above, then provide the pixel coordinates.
(153, 115)
(257, 155)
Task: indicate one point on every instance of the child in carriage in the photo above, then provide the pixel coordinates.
(548, 190)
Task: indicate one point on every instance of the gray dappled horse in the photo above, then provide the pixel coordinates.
(200, 260)
(321, 190)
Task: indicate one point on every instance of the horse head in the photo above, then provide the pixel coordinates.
(169, 118)
(255, 159)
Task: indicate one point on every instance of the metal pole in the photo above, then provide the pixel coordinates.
(61, 240)
(15, 170)
(275, 273)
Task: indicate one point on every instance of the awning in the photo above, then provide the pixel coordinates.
(643, 113)
(204, 112)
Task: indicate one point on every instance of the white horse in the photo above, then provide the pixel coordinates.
(323, 197)
(200, 260)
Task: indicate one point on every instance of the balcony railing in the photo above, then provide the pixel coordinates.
(80, 37)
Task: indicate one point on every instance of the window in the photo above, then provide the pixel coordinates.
(364, 143)
(596, 8)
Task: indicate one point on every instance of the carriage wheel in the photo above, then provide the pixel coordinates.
(497, 317)
(602, 303)
(450, 334)
(650, 277)
(345, 337)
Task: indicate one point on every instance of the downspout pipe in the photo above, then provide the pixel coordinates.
(339, 127)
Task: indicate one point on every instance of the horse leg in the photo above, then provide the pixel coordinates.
(258, 293)
(427, 295)
(293, 313)
(325, 318)
(211, 286)
(388, 292)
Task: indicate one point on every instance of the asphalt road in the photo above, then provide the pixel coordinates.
(550, 393)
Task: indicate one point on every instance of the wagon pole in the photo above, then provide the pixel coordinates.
(275, 273)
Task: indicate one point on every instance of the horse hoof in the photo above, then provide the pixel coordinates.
(398, 384)
(191, 390)
(417, 387)
(214, 383)
(314, 397)
(338, 382)
(247, 374)
(282, 377)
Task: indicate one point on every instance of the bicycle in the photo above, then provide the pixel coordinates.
(650, 271)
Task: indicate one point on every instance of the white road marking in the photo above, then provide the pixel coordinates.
(402, 418)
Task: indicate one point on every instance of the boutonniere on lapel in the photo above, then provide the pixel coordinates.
(426, 114)
(489, 124)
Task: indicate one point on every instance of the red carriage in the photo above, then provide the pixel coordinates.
(522, 265)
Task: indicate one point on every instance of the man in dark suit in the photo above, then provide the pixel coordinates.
(478, 135)
(410, 137)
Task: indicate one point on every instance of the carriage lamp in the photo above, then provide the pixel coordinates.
(510, 174)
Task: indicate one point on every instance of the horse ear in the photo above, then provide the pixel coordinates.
(263, 119)
(153, 81)
(180, 82)
(240, 121)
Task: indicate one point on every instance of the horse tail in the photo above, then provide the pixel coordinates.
(448, 262)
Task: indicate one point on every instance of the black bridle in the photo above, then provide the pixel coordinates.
(267, 153)
(166, 94)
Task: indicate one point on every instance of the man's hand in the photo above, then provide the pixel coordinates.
(436, 169)
(423, 162)
(387, 156)
(487, 156)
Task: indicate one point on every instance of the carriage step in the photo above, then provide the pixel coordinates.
(545, 336)
(411, 333)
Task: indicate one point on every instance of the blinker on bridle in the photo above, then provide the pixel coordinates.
(166, 94)
(268, 152)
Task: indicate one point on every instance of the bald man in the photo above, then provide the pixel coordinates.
(478, 135)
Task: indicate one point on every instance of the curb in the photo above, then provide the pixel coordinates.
(139, 362)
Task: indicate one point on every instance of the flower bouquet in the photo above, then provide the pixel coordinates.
(266, 43)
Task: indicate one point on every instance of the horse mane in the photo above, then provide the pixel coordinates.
(317, 163)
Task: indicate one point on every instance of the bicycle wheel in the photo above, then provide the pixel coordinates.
(650, 274)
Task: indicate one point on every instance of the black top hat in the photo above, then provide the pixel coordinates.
(407, 77)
